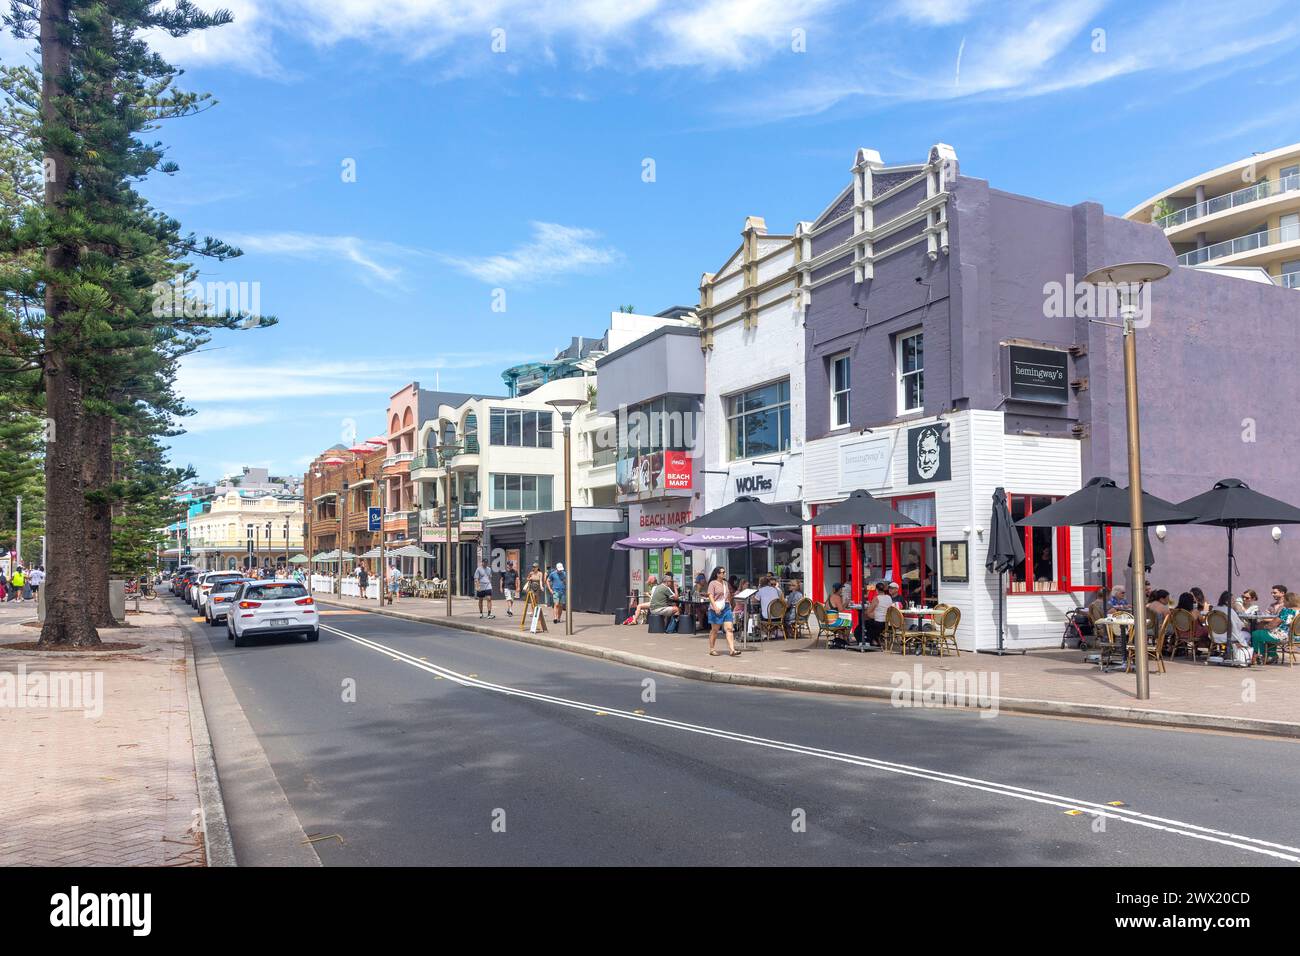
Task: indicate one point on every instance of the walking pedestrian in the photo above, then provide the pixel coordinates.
(363, 579)
(509, 585)
(483, 587)
(720, 613)
(19, 584)
(559, 583)
(37, 578)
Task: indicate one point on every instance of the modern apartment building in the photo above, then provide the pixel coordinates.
(1242, 215)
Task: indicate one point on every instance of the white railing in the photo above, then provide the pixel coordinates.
(1241, 197)
(323, 583)
(400, 457)
(352, 588)
(1289, 280)
(1232, 247)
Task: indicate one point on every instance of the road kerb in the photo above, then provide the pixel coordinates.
(1146, 717)
(218, 844)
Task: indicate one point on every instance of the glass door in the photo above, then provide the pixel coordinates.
(875, 563)
(916, 574)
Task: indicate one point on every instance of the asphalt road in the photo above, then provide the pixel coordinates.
(458, 748)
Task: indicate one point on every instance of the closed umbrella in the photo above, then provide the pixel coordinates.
(1233, 504)
(1006, 550)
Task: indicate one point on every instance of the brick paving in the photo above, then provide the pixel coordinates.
(114, 790)
(1259, 693)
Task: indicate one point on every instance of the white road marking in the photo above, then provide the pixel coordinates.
(1279, 851)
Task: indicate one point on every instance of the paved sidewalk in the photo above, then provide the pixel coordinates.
(116, 789)
(1258, 699)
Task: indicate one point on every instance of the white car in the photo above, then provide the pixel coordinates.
(192, 592)
(221, 598)
(271, 609)
(209, 582)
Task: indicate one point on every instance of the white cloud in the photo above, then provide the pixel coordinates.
(553, 250)
(221, 419)
(227, 382)
(367, 255)
(732, 34)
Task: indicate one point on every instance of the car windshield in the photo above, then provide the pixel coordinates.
(226, 587)
(275, 592)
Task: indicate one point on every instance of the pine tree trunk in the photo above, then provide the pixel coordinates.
(98, 474)
(67, 607)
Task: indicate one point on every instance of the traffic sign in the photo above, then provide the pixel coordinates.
(375, 519)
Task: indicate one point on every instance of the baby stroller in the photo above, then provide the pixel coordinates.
(1078, 628)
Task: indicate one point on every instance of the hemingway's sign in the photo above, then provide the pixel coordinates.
(1038, 375)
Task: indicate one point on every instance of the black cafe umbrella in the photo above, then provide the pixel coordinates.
(749, 513)
(1102, 504)
(1006, 550)
(1233, 504)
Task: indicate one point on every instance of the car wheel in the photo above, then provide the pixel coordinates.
(230, 632)
(239, 641)
(314, 636)
(212, 621)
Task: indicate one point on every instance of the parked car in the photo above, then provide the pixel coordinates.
(271, 609)
(221, 598)
(192, 592)
(179, 578)
(211, 581)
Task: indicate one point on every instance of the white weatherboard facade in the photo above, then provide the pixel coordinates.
(751, 315)
(983, 458)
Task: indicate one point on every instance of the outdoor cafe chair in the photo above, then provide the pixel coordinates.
(1155, 643)
(945, 638)
(1219, 628)
(1287, 648)
(774, 622)
(1180, 631)
(824, 625)
(1112, 639)
(802, 612)
(904, 637)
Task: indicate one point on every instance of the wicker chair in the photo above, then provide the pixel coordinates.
(1155, 642)
(799, 626)
(1180, 631)
(945, 638)
(824, 625)
(773, 623)
(906, 639)
(1220, 628)
(1288, 649)
(1110, 639)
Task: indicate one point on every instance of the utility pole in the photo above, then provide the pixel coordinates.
(18, 544)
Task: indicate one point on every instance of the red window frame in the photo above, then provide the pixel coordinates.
(1062, 545)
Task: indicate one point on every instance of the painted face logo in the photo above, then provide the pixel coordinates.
(928, 445)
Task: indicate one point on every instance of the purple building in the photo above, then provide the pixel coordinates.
(951, 350)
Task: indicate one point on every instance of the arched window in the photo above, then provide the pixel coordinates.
(470, 431)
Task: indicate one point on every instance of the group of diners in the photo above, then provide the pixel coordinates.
(1257, 634)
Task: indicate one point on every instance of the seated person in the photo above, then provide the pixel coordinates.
(661, 603)
(650, 583)
(1097, 606)
(877, 607)
(792, 598)
(1237, 633)
(1272, 631)
(1159, 603)
(768, 593)
(841, 617)
(1248, 603)
(1117, 600)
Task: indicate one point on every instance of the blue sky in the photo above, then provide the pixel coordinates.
(522, 169)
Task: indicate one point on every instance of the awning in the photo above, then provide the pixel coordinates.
(364, 483)
(299, 559)
(328, 494)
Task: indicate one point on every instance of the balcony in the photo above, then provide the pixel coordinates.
(1289, 280)
(1241, 197)
(396, 520)
(1239, 249)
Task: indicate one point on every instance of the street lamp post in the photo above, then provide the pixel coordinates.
(446, 453)
(1128, 279)
(566, 407)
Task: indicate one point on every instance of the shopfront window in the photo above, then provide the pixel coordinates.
(1047, 550)
(758, 421)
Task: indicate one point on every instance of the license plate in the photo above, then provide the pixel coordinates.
(280, 622)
